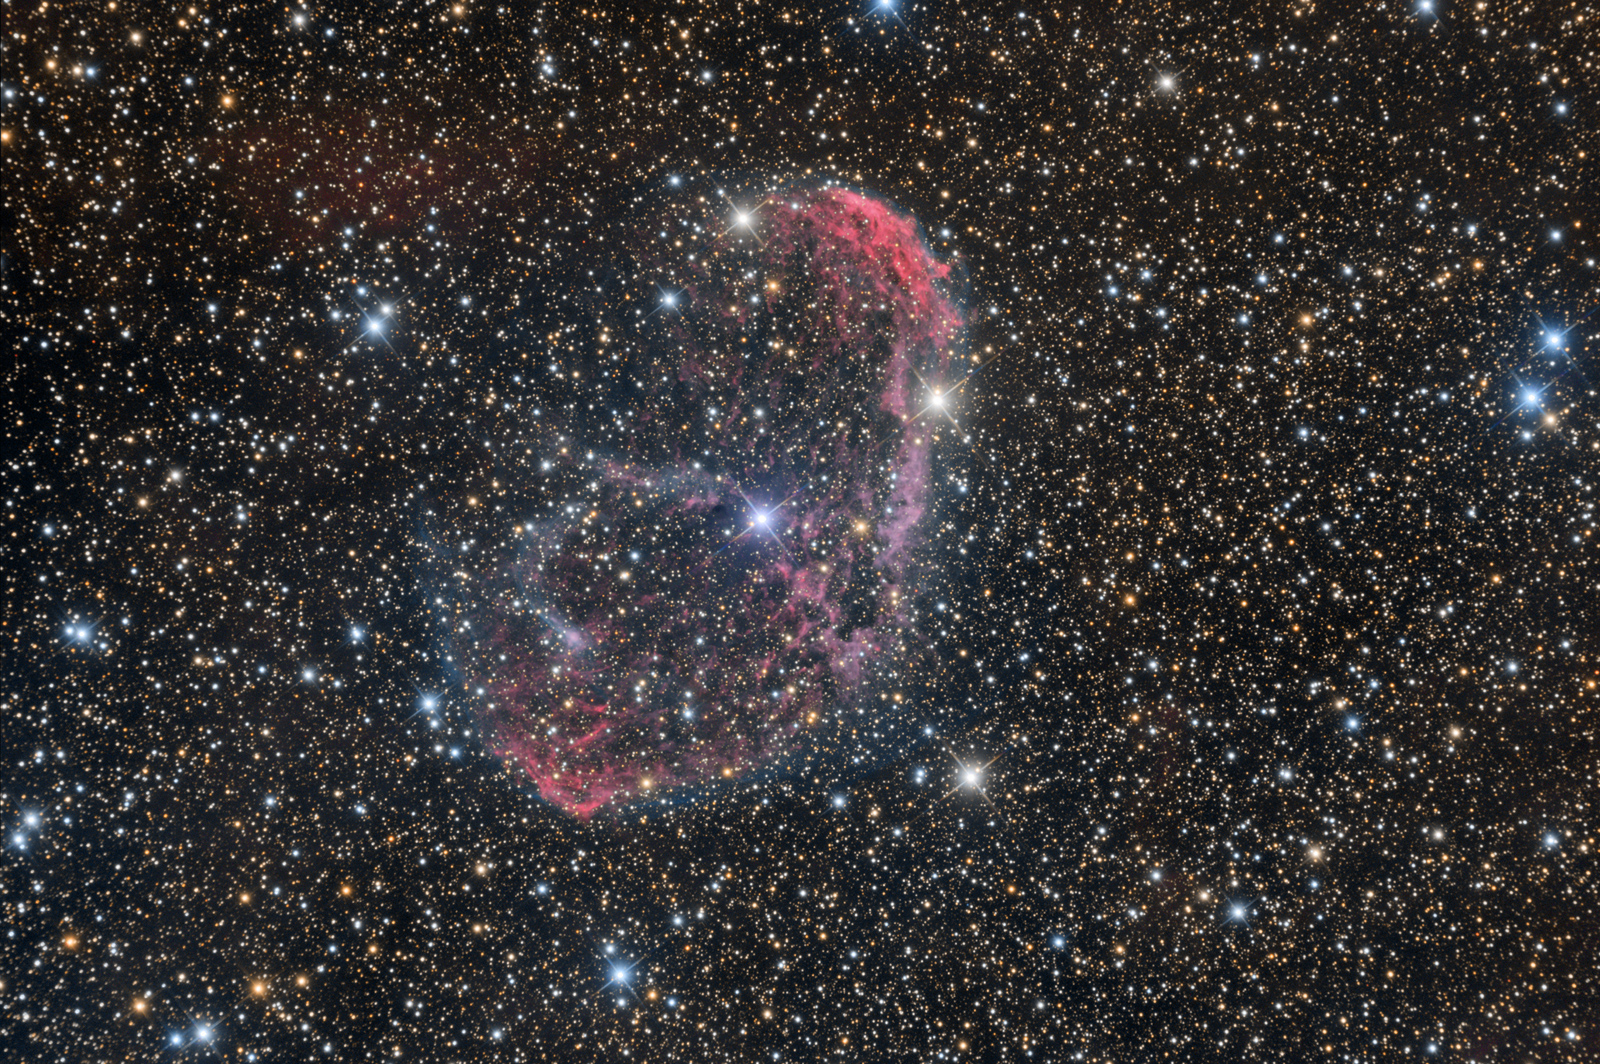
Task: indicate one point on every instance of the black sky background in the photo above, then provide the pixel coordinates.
(1270, 595)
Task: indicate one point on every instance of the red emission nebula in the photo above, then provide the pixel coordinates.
(738, 561)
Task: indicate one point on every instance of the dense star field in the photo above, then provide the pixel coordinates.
(853, 531)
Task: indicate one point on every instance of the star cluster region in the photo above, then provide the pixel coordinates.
(1251, 714)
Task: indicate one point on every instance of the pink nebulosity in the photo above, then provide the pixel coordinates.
(861, 245)
(740, 563)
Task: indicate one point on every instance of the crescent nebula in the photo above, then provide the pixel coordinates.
(727, 552)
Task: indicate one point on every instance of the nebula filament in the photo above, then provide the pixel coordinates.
(730, 557)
